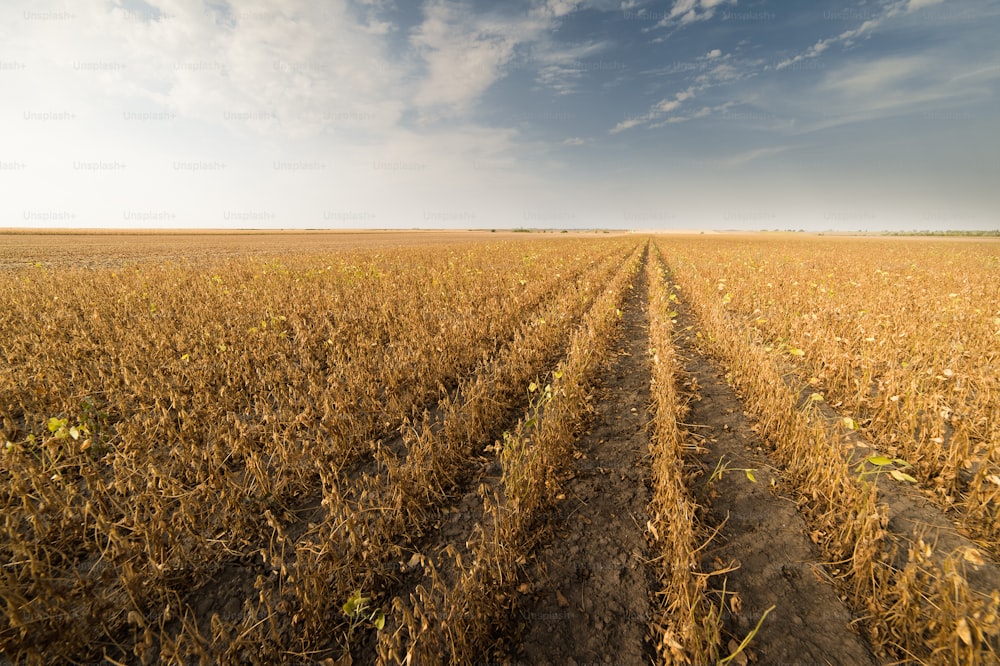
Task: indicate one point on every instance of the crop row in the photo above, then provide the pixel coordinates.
(370, 520)
(458, 621)
(157, 417)
(921, 607)
(686, 626)
(901, 336)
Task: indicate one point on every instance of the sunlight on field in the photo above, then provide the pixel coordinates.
(248, 447)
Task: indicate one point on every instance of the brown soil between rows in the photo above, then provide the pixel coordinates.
(588, 599)
(915, 516)
(587, 589)
(763, 535)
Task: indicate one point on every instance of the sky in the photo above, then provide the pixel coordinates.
(684, 114)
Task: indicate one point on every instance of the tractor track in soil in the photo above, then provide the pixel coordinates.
(763, 535)
(542, 608)
(452, 527)
(586, 592)
(763, 530)
(231, 582)
(760, 532)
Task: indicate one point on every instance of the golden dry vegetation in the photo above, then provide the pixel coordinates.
(897, 341)
(247, 456)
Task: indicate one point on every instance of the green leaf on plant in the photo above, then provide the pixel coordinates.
(353, 605)
(379, 619)
(749, 473)
(880, 461)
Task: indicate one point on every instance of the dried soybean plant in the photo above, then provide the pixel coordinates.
(686, 629)
(161, 419)
(457, 621)
(923, 608)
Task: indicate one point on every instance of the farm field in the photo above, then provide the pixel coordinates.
(427, 447)
(114, 247)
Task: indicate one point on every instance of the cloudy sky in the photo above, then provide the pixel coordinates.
(736, 114)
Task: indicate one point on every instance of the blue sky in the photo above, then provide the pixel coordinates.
(692, 114)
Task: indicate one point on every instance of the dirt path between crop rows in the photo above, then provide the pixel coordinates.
(588, 593)
(586, 597)
(763, 534)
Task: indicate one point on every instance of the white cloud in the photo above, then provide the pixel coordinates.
(723, 72)
(668, 105)
(749, 156)
(689, 11)
(703, 112)
(682, 7)
(891, 10)
(628, 123)
(914, 5)
(466, 53)
(290, 66)
(573, 141)
(859, 91)
(558, 8)
(378, 27)
(561, 68)
(278, 80)
(655, 112)
(710, 71)
(877, 77)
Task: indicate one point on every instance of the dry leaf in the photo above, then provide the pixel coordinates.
(741, 658)
(964, 632)
(973, 556)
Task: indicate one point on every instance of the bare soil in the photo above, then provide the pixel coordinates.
(764, 536)
(586, 597)
(763, 533)
(585, 593)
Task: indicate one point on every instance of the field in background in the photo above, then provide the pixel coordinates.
(368, 447)
(113, 247)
